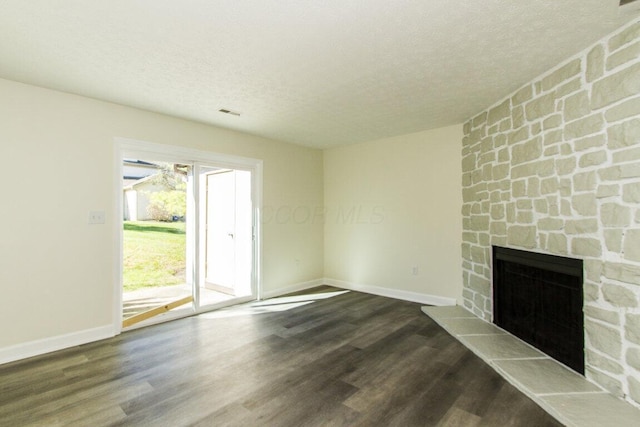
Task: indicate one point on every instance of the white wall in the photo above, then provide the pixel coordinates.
(56, 271)
(392, 205)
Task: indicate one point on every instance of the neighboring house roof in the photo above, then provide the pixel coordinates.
(139, 163)
(131, 183)
(127, 181)
(134, 170)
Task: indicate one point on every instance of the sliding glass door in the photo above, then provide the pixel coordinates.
(188, 235)
(226, 230)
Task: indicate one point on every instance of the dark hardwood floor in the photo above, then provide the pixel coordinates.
(351, 359)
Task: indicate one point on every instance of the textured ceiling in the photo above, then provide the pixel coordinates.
(319, 73)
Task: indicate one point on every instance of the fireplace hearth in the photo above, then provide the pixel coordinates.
(539, 299)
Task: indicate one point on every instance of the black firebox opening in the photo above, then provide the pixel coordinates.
(538, 298)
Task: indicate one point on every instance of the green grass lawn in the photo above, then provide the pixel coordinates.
(154, 254)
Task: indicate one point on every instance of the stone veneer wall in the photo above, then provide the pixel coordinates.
(555, 168)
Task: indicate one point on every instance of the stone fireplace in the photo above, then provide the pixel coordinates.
(538, 298)
(555, 169)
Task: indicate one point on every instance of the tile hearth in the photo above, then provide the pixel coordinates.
(563, 393)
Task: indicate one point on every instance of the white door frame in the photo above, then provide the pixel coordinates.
(127, 148)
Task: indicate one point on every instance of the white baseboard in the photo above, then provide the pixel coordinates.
(292, 288)
(47, 345)
(392, 293)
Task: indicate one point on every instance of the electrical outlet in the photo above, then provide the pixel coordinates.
(96, 217)
(415, 270)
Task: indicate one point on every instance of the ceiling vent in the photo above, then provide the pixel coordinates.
(226, 111)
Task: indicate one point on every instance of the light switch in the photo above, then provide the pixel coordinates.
(96, 217)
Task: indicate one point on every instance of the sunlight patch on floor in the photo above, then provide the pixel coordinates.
(271, 305)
